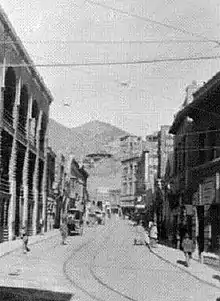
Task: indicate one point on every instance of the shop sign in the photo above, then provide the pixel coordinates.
(208, 191)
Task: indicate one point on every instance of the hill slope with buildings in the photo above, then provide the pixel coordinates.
(91, 138)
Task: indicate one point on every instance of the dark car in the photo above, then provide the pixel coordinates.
(75, 221)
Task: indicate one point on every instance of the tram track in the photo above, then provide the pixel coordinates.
(94, 276)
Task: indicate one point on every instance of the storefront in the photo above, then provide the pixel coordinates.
(206, 218)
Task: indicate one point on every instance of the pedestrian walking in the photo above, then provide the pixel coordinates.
(64, 231)
(153, 235)
(188, 248)
(24, 238)
(140, 233)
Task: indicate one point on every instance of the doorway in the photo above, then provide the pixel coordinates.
(201, 237)
(215, 227)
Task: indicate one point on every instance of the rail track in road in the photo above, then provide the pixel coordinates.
(97, 279)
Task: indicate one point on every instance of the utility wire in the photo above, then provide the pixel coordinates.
(152, 21)
(107, 42)
(135, 62)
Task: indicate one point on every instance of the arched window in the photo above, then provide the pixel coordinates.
(9, 94)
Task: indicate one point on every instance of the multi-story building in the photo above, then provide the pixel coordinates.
(77, 182)
(152, 147)
(129, 184)
(24, 110)
(131, 146)
(197, 152)
(165, 147)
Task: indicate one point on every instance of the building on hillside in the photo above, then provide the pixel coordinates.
(131, 146)
(24, 112)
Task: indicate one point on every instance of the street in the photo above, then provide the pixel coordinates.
(102, 265)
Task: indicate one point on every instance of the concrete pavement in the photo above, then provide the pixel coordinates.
(10, 246)
(197, 270)
(101, 265)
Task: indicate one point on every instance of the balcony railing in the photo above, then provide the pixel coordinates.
(4, 185)
(8, 119)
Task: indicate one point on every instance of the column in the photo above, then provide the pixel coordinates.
(26, 166)
(12, 165)
(2, 80)
(44, 184)
(36, 177)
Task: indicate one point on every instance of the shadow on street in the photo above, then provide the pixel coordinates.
(217, 277)
(181, 262)
(27, 294)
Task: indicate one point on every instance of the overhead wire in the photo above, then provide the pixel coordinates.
(109, 42)
(135, 62)
(146, 19)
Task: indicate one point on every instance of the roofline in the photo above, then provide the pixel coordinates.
(198, 96)
(13, 35)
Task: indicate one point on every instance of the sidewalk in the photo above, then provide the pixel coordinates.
(197, 270)
(9, 246)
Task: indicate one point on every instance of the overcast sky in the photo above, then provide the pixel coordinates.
(137, 98)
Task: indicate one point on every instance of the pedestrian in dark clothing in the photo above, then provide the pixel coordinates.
(24, 238)
(64, 231)
(188, 248)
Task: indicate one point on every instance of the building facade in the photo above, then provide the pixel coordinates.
(51, 199)
(129, 184)
(77, 185)
(199, 163)
(24, 111)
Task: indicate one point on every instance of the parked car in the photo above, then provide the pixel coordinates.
(75, 221)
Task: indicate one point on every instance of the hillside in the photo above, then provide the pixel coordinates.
(91, 137)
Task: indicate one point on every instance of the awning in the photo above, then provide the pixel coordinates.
(127, 204)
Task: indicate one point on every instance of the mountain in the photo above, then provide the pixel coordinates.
(91, 138)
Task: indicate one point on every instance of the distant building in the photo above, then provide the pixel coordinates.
(165, 147)
(131, 146)
(152, 147)
(129, 184)
(102, 197)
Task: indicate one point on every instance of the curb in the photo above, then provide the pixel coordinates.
(30, 244)
(186, 271)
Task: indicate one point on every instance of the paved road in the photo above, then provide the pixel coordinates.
(103, 265)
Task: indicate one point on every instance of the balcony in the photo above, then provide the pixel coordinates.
(21, 134)
(4, 186)
(8, 121)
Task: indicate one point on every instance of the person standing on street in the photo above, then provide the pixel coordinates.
(24, 238)
(188, 248)
(64, 231)
(153, 235)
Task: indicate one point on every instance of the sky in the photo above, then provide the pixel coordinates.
(139, 97)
